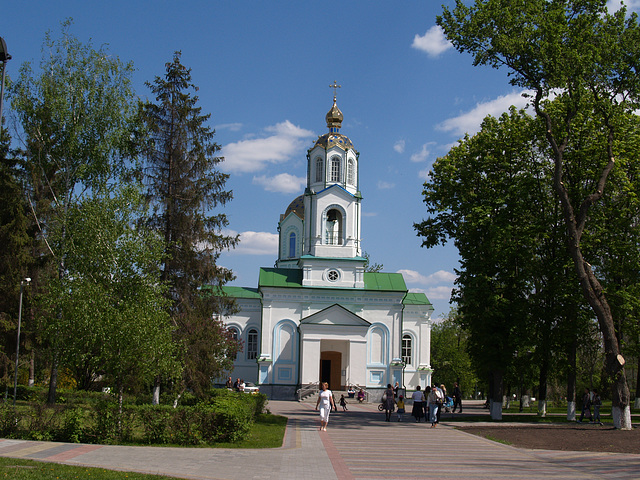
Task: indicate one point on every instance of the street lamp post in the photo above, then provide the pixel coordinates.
(23, 283)
(4, 57)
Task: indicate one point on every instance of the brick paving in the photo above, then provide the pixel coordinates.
(359, 444)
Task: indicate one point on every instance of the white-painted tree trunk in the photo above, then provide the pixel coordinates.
(571, 411)
(496, 410)
(621, 417)
(156, 395)
(542, 408)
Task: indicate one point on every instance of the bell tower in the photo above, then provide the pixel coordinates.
(331, 253)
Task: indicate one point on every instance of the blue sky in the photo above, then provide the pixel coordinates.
(263, 69)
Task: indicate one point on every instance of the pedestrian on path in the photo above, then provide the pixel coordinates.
(433, 401)
(418, 404)
(389, 402)
(586, 405)
(326, 403)
(400, 408)
(457, 397)
(596, 402)
(343, 403)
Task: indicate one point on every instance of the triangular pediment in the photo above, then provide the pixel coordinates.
(333, 316)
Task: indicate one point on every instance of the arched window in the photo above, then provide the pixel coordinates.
(319, 170)
(234, 335)
(333, 234)
(351, 172)
(252, 344)
(407, 349)
(335, 169)
(292, 245)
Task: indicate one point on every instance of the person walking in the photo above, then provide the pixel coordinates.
(400, 408)
(389, 402)
(596, 402)
(432, 404)
(586, 405)
(457, 397)
(325, 402)
(343, 403)
(418, 404)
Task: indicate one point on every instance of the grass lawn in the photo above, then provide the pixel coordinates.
(266, 432)
(19, 469)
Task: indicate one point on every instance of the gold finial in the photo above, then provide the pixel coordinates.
(335, 87)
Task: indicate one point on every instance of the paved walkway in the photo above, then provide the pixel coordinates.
(358, 445)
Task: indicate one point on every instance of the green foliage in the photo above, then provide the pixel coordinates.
(77, 115)
(225, 419)
(155, 423)
(9, 419)
(185, 186)
(449, 356)
(578, 64)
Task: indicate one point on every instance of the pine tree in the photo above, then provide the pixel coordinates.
(185, 187)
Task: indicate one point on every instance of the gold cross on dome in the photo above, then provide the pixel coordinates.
(335, 87)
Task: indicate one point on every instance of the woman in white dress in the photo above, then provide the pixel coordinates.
(325, 402)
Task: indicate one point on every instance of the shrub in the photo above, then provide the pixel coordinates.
(8, 420)
(155, 423)
(185, 426)
(225, 419)
(72, 429)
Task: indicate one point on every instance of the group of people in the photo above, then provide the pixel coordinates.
(238, 385)
(589, 399)
(429, 405)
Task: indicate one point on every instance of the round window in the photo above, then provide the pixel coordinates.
(333, 275)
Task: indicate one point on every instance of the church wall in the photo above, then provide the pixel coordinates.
(417, 324)
(247, 319)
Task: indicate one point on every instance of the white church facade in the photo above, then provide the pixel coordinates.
(318, 315)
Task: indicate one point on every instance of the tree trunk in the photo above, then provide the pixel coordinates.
(542, 393)
(32, 368)
(637, 402)
(575, 221)
(495, 405)
(53, 380)
(571, 381)
(156, 391)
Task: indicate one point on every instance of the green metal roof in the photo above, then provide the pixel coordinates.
(280, 277)
(384, 282)
(414, 298)
(292, 277)
(241, 292)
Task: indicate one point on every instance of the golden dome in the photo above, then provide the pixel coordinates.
(297, 207)
(334, 116)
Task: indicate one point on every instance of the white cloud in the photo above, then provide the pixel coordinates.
(434, 293)
(385, 185)
(433, 42)
(399, 146)
(441, 276)
(255, 243)
(252, 155)
(470, 122)
(282, 183)
(423, 154)
(632, 5)
(234, 127)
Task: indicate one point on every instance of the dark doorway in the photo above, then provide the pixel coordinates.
(330, 365)
(325, 371)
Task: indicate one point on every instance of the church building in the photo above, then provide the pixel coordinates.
(317, 315)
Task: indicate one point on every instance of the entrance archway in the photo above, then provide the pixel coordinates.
(331, 369)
